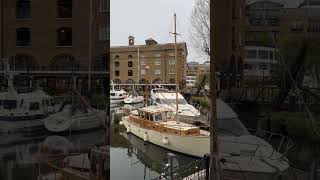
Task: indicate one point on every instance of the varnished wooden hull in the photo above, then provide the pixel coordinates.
(190, 145)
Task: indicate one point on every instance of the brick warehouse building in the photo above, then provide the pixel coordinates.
(157, 63)
(54, 40)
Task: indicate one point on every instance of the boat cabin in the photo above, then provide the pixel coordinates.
(162, 119)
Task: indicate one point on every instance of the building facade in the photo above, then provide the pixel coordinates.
(196, 69)
(268, 25)
(53, 39)
(229, 19)
(149, 63)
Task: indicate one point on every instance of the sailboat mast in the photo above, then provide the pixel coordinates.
(138, 66)
(175, 58)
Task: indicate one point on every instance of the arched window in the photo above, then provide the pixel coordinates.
(130, 56)
(130, 81)
(143, 81)
(23, 37)
(116, 56)
(130, 63)
(23, 9)
(157, 81)
(117, 81)
(64, 36)
(23, 62)
(64, 8)
(64, 62)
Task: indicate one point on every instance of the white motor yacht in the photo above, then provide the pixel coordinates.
(23, 110)
(167, 98)
(117, 96)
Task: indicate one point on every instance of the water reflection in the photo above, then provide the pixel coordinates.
(130, 157)
(19, 152)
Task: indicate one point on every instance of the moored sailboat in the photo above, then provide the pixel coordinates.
(239, 152)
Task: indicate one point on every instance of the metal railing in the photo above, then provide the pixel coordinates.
(197, 170)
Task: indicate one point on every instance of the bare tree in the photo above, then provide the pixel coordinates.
(200, 27)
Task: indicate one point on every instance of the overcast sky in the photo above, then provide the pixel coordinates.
(145, 19)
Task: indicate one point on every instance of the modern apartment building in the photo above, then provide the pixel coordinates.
(148, 63)
(269, 23)
(56, 39)
(196, 69)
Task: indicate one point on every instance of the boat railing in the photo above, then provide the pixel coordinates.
(197, 170)
(284, 142)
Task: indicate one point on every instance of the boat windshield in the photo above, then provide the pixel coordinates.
(232, 126)
(173, 101)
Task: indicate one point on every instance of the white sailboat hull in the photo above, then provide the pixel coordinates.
(60, 122)
(183, 144)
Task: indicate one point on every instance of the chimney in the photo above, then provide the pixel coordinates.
(131, 41)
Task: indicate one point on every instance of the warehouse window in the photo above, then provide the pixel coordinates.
(23, 37)
(64, 36)
(64, 8)
(23, 9)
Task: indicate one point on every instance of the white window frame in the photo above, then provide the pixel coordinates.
(143, 71)
(142, 62)
(172, 61)
(157, 71)
(157, 62)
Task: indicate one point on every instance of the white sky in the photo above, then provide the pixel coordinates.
(145, 19)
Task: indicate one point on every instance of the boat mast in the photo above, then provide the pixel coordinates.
(175, 58)
(138, 66)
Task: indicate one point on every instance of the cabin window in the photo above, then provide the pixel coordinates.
(10, 104)
(143, 115)
(147, 116)
(21, 103)
(34, 106)
(158, 117)
(158, 101)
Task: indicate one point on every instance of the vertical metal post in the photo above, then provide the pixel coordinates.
(2, 29)
(90, 46)
(207, 165)
(215, 28)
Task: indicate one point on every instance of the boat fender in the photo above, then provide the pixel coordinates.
(165, 141)
(121, 123)
(128, 128)
(145, 136)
